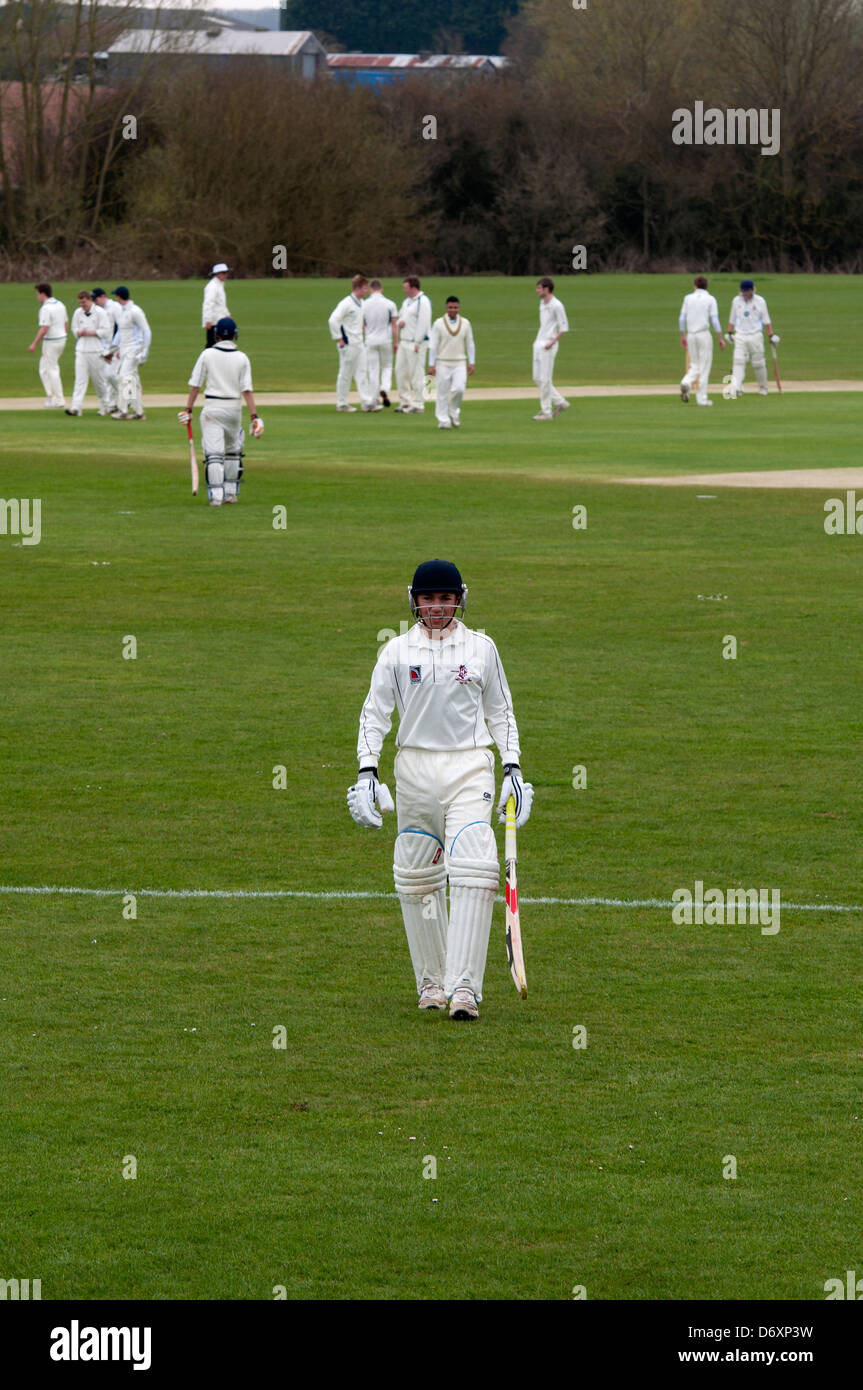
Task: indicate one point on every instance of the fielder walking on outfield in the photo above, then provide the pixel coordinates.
(698, 311)
(452, 358)
(134, 338)
(415, 317)
(215, 302)
(225, 373)
(747, 319)
(445, 681)
(553, 323)
(346, 330)
(382, 339)
(92, 331)
(53, 328)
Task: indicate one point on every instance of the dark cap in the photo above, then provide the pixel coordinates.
(122, 291)
(747, 285)
(437, 577)
(97, 292)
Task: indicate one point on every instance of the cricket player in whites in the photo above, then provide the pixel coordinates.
(452, 358)
(92, 331)
(553, 323)
(453, 702)
(112, 309)
(698, 311)
(52, 330)
(382, 340)
(747, 319)
(226, 375)
(134, 338)
(414, 324)
(346, 331)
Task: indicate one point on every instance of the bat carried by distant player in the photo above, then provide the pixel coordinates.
(776, 365)
(513, 923)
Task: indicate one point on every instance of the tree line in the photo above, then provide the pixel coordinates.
(571, 146)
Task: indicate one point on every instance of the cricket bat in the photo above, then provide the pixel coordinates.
(192, 460)
(513, 923)
(776, 368)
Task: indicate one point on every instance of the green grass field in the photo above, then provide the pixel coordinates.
(302, 1167)
(624, 327)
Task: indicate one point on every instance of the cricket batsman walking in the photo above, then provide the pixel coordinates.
(453, 702)
(226, 375)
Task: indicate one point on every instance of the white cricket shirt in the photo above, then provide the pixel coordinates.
(215, 302)
(378, 315)
(133, 329)
(98, 319)
(346, 320)
(748, 317)
(444, 692)
(53, 316)
(416, 315)
(223, 371)
(552, 320)
(698, 312)
(452, 343)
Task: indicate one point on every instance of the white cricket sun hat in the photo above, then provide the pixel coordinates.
(219, 269)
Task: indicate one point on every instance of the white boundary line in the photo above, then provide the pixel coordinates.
(338, 894)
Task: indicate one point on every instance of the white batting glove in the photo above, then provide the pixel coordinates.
(257, 426)
(184, 416)
(774, 338)
(368, 797)
(522, 791)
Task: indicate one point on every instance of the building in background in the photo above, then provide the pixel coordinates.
(382, 69)
(293, 52)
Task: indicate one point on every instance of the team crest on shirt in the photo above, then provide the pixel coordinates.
(416, 674)
(462, 674)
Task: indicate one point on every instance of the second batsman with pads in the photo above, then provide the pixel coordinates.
(448, 686)
(225, 373)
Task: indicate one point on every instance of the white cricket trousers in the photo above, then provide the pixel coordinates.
(444, 804)
(451, 385)
(352, 366)
(700, 361)
(49, 369)
(379, 364)
(129, 397)
(222, 436)
(90, 366)
(411, 375)
(543, 370)
(749, 347)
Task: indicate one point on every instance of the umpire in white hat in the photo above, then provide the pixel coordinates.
(215, 302)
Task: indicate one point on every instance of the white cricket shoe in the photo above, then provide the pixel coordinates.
(444, 427)
(561, 406)
(704, 403)
(119, 415)
(347, 409)
(540, 416)
(762, 390)
(432, 997)
(456, 424)
(463, 1005)
(684, 392)
(413, 410)
(229, 500)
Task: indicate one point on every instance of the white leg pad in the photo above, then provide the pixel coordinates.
(474, 873)
(419, 872)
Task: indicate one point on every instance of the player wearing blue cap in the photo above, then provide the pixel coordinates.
(225, 373)
(447, 684)
(747, 320)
